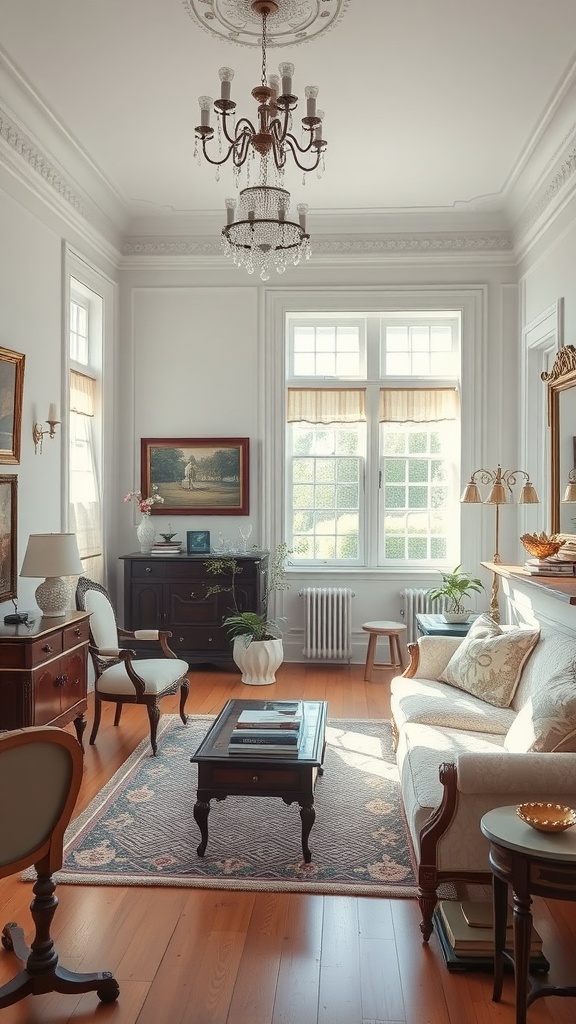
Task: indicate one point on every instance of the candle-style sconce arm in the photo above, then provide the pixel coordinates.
(38, 434)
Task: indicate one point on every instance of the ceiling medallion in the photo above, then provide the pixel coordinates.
(295, 21)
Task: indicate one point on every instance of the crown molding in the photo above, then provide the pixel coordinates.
(546, 202)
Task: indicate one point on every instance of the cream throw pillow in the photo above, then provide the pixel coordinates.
(547, 722)
(490, 666)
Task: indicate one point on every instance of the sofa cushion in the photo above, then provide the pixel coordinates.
(421, 751)
(483, 626)
(555, 652)
(433, 703)
(547, 721)
(490, 668)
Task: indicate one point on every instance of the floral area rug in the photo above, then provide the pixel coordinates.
(140, 829)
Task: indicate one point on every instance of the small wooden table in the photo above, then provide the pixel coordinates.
(433, 624)
(534, 864)
(292, 778)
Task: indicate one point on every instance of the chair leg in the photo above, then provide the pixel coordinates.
(43, 973)
(154, 717)
(184, 690)
(97, 717)
(118, 714)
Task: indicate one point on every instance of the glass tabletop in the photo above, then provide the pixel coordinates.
(214, 746)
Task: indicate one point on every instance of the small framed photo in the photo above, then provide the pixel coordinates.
(198, 542)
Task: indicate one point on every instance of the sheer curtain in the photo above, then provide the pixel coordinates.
(85, 500)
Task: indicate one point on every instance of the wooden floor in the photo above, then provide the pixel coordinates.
(185, 956)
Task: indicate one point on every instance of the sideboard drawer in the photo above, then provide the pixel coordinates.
(77, 634)
(47, 647)
(147, 570)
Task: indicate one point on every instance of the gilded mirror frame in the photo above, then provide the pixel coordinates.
(560, 378)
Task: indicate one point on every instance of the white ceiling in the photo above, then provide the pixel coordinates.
(430, 104)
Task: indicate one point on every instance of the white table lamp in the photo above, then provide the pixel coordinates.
(52, 555)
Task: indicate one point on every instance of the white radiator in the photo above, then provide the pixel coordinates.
(327, 622)
(417, 601)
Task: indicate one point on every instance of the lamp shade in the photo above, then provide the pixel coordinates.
(52, 555)
(570, 492)
(498, 495)
(528, 495)
(471, 494)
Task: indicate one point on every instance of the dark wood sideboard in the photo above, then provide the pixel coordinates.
(172, 592)
(43, 672)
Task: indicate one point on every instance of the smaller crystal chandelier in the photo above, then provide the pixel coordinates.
(263, 237)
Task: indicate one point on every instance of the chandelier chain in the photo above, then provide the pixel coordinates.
(264, 41)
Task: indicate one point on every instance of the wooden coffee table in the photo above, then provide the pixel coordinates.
(292, 778)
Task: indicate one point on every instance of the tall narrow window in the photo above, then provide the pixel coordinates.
(373, 438)
(85, 428)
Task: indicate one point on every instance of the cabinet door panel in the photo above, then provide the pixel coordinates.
(147, 606)
(73, 670)
(47, 688)
(188, 605)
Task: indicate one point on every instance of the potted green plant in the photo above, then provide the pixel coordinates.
(456, 585)
(257, 638)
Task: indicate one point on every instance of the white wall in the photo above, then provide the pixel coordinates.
(194, 344)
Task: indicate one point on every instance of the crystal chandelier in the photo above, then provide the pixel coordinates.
(259, 233)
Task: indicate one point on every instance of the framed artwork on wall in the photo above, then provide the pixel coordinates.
(8, 537)
(197, 475)
(11, 394)
(198, 542)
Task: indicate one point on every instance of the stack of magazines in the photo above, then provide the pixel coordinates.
(550, 567)
(274, 731)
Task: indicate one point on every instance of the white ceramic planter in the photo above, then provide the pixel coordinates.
(258, 661)
(454, 617)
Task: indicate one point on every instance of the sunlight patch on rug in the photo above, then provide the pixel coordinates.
(140, 829)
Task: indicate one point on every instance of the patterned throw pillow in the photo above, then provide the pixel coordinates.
(547, 722)
(490, 667)
(483, 626)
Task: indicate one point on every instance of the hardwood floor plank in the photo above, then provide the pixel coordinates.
(298, 979)
(257, 977)
(340, 993)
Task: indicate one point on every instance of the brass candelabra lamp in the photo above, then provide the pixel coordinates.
(501, 481)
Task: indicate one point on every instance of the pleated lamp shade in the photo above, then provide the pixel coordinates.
(528, 495)
(570, 492)
(471, 494)
(498, 495)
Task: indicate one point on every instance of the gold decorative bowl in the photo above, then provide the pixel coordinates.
(541, 545)
(547, 817)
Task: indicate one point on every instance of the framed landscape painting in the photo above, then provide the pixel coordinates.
(8, 537)
(11, 393)
(197, 475)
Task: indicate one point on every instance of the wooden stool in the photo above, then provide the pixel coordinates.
(391, 630)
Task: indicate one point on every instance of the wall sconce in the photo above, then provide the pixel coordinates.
(38, 434)
(570, 492)
(501, 493)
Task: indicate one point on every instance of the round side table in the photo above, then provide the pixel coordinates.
(534, 864)
(391, 631)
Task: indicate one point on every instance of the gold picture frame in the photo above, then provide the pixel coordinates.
(11, 395)
(8, 537)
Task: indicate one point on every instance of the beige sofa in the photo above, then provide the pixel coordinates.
(460, 755)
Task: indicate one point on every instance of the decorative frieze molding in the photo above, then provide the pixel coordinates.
(349, 245)
(548, 197)
(23, 145)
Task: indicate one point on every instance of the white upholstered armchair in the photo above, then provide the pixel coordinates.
(122, 677)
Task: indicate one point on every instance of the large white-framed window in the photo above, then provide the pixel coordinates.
(85, 340)
(373, 437)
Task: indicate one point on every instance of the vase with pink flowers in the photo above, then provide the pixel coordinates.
(145, 530)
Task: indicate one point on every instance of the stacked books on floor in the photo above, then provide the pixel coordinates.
(164, 547)
(467, 939)
(274, 731)
(550, 567)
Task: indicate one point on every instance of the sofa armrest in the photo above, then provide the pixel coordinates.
(536, 775)
(430, 656)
